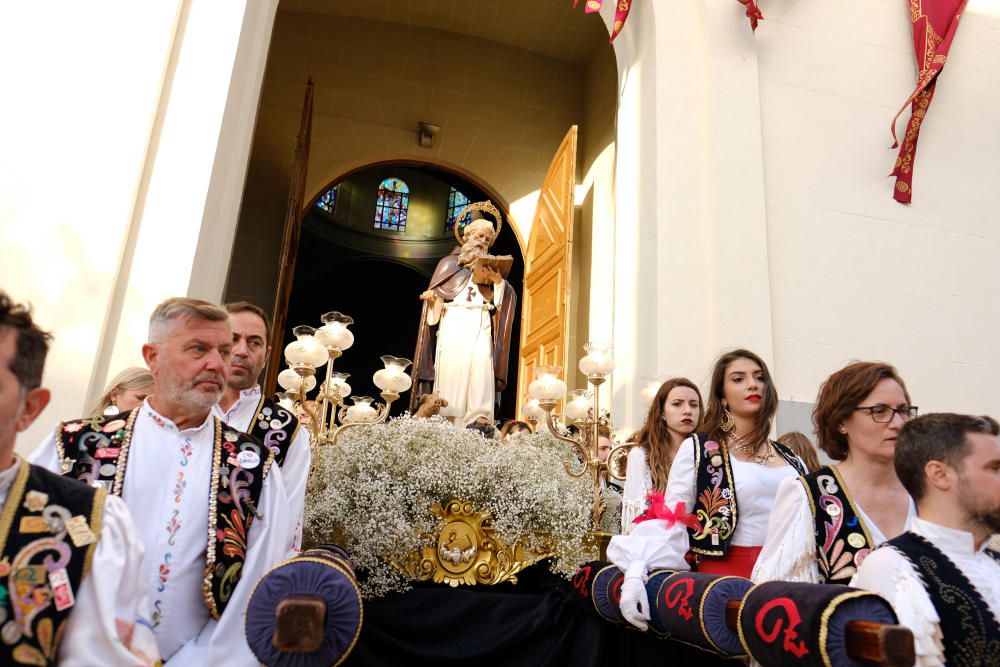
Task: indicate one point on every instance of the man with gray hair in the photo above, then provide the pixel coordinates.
(463, 344)
(207, 501)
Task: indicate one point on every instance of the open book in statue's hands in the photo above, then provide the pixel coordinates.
(490, 269)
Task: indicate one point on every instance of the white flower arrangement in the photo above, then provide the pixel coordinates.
(371, 493)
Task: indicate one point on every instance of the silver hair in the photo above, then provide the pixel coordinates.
(166, 315)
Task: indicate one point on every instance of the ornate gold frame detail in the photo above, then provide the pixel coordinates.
(466, 551)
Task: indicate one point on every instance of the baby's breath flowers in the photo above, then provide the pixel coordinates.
(371, 493)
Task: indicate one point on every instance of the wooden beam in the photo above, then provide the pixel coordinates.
(290, 234)
(881, 643)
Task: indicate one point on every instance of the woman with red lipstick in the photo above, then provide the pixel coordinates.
(825, 523)
(726, 478)
(674, 414)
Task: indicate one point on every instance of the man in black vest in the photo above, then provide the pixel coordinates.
(70, 558)
(244, 406)
(207, 502)
(940, 576)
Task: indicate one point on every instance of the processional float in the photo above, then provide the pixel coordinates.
(308, 611)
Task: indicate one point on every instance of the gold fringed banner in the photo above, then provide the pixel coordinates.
(934, 25)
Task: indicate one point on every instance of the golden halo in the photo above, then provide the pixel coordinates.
(485, 207)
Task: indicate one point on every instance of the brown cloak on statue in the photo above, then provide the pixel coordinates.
(447, 282)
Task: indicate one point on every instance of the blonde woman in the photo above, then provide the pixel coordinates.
(125, 392)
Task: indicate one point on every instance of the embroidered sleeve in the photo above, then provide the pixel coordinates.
(637, 486)
(789, 551)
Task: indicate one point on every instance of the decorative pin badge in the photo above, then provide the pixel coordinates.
(62, 592)
(716, 461)
(248, 459)
(230, 436)
(79, 531)
(275, 423)
(33, 524)
(35, 501)
(856, 540)
(833, 510)
(108, 469)
(107, 452)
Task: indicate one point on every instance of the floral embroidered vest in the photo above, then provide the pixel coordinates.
(49, 528)
(842, 539)
(715, 505)
(95, 451)
(274, 426)
(970, 633)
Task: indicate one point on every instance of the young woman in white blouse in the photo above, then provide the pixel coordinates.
(726, 478)
(674, 414)
(826, 523)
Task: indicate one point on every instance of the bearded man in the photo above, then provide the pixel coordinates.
(207, 501)
(941, 576)
(245, 408)
(463, 344)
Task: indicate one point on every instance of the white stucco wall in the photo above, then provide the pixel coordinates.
(854, 274)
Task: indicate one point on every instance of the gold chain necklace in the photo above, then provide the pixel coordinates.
(749, 450)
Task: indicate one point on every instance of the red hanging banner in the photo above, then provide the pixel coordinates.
(753, 13)
(622, 8)
(934, 25)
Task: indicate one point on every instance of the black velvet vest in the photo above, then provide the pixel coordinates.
(49, 527)
(715, 504)
(970, 632)
(842, 538)
(274, 426)
(96, 451)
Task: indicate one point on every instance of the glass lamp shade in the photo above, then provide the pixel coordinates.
(334, 332)
(578, 405)
(531, 410)
(338, 384)
(292, 381)
(547, 384)
(648, 391)
(362, 410)
(393, 377)
(305, 350)
(598, 361)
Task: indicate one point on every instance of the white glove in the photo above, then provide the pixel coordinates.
(635, 603)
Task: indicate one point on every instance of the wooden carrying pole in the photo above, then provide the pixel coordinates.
(291, 232)
(880, 643)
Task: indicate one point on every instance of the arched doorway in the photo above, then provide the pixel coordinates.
(362, 257)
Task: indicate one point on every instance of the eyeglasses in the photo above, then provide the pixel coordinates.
(882, 414)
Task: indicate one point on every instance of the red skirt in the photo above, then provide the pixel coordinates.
(739, 561)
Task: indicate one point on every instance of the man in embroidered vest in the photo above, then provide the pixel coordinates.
(245, 408)
(70, 559)
(209, 506)
(940, 576)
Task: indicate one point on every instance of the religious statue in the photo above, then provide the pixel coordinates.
(463, 343)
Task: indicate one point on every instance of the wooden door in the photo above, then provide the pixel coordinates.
(545, 308)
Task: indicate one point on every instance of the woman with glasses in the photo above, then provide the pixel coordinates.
(825, 523)
(720, 488)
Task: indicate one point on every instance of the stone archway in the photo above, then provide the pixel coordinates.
(375, 276)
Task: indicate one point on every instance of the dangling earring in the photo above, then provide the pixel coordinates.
(728, 421)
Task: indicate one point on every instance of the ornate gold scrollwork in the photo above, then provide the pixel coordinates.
(466, 551)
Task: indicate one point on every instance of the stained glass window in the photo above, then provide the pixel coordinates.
(328, 200)
(456, 202)
(390, 209)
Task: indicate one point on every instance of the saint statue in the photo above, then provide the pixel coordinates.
(463, 343)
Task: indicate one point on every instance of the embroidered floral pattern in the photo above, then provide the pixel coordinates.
(172, 527)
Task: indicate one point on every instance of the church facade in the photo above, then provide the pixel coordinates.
(731, 186)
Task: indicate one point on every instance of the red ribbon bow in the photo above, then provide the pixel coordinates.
(658, 510)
